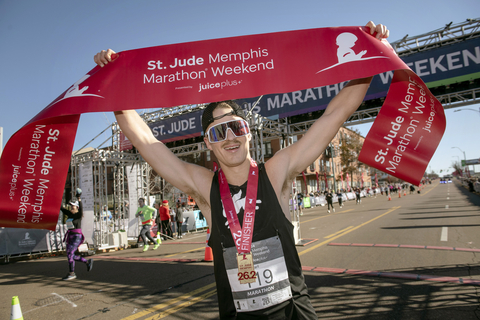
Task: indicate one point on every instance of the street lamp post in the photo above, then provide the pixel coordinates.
(478, 112)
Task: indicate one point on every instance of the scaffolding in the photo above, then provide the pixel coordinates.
(108, 165)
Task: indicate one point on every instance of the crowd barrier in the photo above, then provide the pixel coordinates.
(23, 242)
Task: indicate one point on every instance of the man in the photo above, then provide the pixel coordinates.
(357, 195)
(179, 218)
(300, 202)
(146, 214)
(329, 198)
(340, 198)
(106, 214)
(232, 194)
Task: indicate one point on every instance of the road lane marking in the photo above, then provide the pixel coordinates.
(429, 190)
(402, 246)
(185, 304)
(444, 236)
(328, 215)
(65, 299)
(348, 231)
(333, 234)
(197, 249)
(397, 275)
(169, 303)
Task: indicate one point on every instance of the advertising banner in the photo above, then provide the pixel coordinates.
(185, 126)
(470, 162)
(436, 67)
(85, 171)
(34, 164)
(17, 241)
(133, 181)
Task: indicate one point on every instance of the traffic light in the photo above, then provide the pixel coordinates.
(330, 152)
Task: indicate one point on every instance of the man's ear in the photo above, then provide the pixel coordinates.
(249, 137)
(207, 143)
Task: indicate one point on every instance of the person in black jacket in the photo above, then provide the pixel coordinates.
(340, 198)
(74, 236)
(329, 198)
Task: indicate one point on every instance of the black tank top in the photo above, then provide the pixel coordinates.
(270, 223)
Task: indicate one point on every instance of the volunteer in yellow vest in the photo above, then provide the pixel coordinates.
(146, 214)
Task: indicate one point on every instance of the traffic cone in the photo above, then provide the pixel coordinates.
(400, 194)
(389, 197)
(404, 193)
(16, 311)
(208, 249)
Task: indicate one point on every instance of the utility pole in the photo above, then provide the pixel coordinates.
(332, 154)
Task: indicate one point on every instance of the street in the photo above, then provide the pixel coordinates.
(414, 257)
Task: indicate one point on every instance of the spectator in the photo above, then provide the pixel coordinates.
(164, 213)
(179, 218)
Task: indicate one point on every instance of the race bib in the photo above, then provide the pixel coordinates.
(271, 286)
(70, 225)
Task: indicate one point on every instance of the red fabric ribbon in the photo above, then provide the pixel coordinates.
(35, 161)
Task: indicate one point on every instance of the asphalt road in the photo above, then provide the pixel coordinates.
(414, 257)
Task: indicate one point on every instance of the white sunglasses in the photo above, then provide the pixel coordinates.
(218, 133)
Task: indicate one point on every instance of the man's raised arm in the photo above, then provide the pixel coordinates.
(297, 157)
(191, 179)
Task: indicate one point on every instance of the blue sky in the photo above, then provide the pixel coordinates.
(48, 45)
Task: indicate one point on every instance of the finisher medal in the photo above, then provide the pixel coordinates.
(242, 236)
(246, 269)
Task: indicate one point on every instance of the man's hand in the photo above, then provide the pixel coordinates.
(380, 29)
(104, 57)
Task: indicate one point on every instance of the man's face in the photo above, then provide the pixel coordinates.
(233, 151)
(141, 203)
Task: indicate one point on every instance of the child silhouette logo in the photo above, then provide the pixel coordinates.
(346, 53)
(345, 43)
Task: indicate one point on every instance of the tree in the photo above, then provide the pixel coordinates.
(350, 146)
(457, 166)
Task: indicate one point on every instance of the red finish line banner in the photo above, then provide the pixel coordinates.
(35, 161)
(407, 130)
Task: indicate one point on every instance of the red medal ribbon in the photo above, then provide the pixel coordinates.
(241, 236)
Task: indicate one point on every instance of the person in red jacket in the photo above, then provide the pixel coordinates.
(164, 213)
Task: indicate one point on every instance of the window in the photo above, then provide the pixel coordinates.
(208, 155)
(267, 149)
(312, 167)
